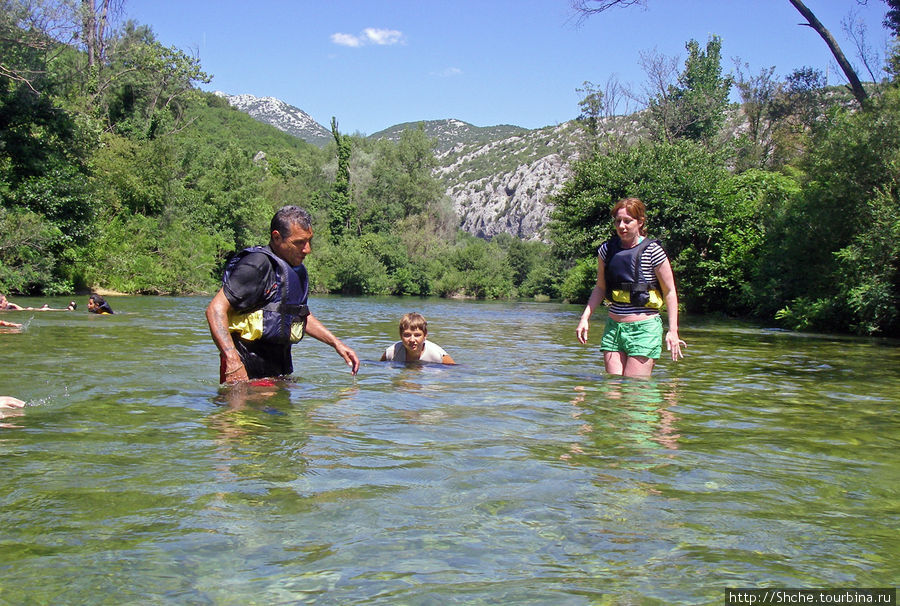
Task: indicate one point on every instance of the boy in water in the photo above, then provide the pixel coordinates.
(412, 346)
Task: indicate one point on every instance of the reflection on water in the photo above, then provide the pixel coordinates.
(639, 410)
(520, 476)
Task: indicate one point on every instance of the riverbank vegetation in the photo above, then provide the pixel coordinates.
(118, 172)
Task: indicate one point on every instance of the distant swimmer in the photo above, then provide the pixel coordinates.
(413, 346)
(98, 305)
(10, 407)
(72, 306)
(6, 305)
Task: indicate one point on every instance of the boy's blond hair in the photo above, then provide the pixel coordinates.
(413, 321)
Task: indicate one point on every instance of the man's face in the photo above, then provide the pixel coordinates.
(294, 246)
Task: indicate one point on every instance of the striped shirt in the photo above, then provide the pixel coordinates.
(651, 258)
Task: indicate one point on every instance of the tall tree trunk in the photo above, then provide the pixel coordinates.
(855, 85)
(94, 21)
(89, 19)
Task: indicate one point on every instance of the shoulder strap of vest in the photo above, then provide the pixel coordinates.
(613, 245)
(639, 250)
(285, 270)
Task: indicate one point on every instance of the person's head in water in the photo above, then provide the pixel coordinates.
(413, 330)
(98, 305)
(291, 234)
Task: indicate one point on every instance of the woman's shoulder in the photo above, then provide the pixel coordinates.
(604, 248)
(654, 246)
(655, 253)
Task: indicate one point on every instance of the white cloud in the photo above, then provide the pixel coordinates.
(449, 72)
(370, 35)
(346, 40)
(383, 37)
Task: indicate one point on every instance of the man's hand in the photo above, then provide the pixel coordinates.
(233, 370)
(349, 356)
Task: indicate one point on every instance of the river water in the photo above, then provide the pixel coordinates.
(520, 476)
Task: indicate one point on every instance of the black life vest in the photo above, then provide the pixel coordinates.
(625, 281)
(282, 317)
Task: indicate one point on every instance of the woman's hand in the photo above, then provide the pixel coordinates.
(674, 344)
(582, 331)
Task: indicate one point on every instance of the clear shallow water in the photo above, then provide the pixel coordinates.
(521, 476)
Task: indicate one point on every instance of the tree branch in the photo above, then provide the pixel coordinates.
(855, 85)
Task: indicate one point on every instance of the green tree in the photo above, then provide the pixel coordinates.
(27, 256)
(892, 17)
(536, 273)
(403, 183)
(839, 238)
(478, 269)
(145, 88)
(340, 193)
(695, 108)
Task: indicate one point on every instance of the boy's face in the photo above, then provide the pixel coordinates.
(413, 340)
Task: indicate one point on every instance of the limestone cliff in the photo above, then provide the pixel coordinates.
(506, 185)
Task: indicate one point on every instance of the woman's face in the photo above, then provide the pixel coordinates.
(628, 228)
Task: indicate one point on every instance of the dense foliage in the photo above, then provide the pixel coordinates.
(117, 172)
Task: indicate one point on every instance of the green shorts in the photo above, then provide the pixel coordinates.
(642, 338)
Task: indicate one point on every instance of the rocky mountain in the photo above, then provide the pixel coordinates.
(502, 179)
(282, 116)
(504, 185)
(450, 133)
(499, 178)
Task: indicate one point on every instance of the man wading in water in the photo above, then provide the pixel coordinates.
(260, 311)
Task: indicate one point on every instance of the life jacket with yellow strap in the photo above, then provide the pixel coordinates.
(282, 318)
(625, 281)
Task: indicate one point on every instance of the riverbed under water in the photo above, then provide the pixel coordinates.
(521, 476)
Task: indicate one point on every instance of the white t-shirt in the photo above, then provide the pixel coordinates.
(430, 353)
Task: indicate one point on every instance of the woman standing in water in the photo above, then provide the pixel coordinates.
(635, 276)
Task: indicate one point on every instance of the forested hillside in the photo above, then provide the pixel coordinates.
(117, 172)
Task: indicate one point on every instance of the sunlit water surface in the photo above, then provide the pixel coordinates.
(520, 476)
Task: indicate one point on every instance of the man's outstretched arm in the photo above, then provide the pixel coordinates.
(317, 331)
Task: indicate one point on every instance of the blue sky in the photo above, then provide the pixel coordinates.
(376, 63)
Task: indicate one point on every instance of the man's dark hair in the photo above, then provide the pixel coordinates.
(288, 216)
